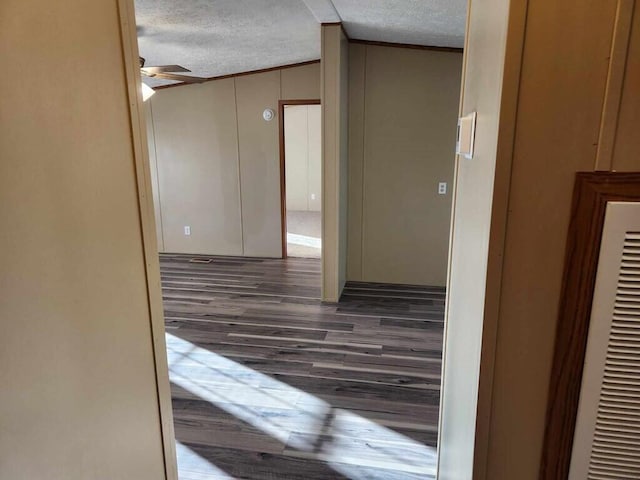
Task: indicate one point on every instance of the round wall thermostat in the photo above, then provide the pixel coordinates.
(268, 114)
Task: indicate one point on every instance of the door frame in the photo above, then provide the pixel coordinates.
(283, 185)
(137, 119)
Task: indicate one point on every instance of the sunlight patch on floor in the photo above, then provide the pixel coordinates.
(304, 240)
(307, 426)
(199, 468)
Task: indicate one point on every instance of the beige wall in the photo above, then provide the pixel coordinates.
(343, 166)
(627, 140)
(300, 83)
(197, 163)
(79, 397)
(334, 94)
(216, 162)
(470, 255)
(303, 157)
(556, 135)
(258, 147)
(554, 84)
(153, 167)
(402, 121)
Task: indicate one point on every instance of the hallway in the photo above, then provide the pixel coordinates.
(268, 382)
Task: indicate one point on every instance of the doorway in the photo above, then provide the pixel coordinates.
(248, 337)
(301, 178)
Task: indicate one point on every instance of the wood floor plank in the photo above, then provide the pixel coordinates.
(268, 382)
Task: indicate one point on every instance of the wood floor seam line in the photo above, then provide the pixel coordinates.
(268, 382)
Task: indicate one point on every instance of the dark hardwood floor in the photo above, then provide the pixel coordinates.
(268, 383)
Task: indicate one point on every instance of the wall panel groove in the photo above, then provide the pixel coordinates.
(218, 161)
(402, 146)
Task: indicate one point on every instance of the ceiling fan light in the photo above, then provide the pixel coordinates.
(147, 92)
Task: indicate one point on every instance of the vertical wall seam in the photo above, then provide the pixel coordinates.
(235, 100)
(323, 98)
(337, 127)
(364, 143)
(338, 163)
(155, 154)
(308, 164)
(614, 86)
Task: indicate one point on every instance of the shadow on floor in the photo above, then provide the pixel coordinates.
(214, 444)
(274, 381)
(229, 417)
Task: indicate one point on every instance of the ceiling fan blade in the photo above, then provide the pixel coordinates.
(180, 78)
(165, 68)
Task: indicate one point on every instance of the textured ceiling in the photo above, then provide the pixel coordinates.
(438, 23)
(220, 37)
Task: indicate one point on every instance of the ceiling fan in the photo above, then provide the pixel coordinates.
(167, 72)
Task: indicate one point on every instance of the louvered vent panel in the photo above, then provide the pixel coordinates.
(615, 453)
(607, 436)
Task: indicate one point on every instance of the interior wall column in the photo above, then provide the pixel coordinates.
(334, 92)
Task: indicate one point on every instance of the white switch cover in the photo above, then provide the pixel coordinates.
(187, 230)
(466, 135)
(313, 196)
(442, 188)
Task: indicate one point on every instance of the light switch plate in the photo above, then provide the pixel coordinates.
(466, 135)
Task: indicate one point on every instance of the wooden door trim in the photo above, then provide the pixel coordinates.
(283, 188)
(591, 193)
(411, 46)
(242, 74)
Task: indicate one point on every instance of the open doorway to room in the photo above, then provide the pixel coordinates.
(301, 178)
(268, 378)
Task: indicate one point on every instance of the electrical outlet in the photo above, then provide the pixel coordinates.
(442, 188)
(187, 230)
(313, 196)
